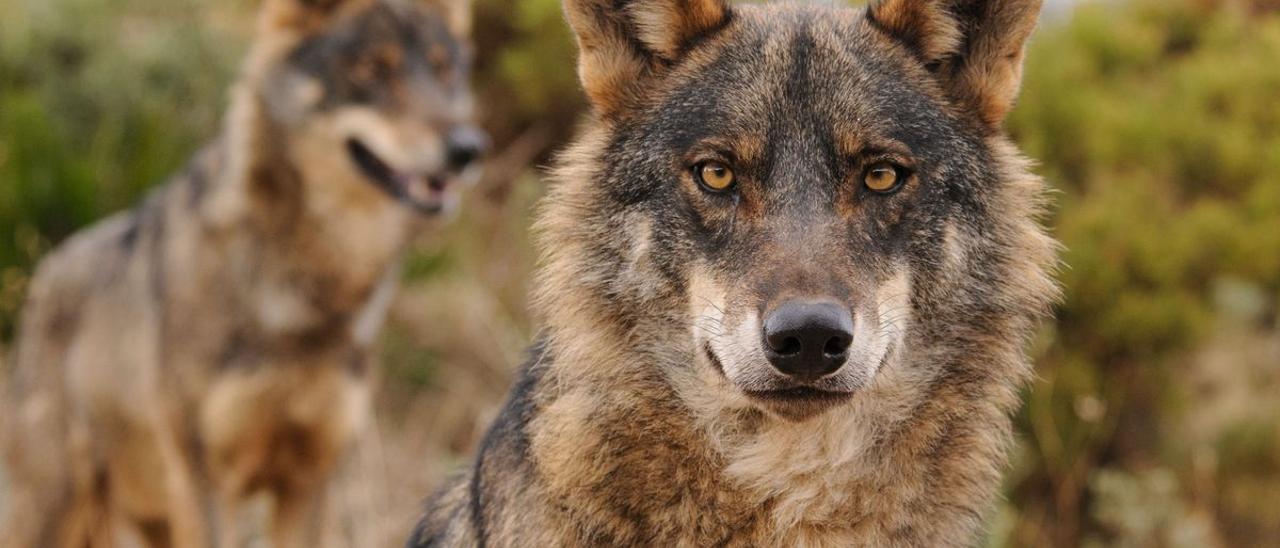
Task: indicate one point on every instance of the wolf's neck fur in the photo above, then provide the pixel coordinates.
(907, 459)
(904, 460)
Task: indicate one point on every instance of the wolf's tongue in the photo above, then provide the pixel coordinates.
(415, 187)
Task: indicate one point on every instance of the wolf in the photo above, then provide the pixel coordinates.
(217, 341)
(790, 270)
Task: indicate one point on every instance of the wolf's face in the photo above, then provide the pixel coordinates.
(803, 177)
(374, 94)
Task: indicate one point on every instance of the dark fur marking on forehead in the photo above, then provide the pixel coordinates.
(333, 57)
(803, 160)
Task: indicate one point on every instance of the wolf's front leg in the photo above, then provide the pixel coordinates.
(188, 523)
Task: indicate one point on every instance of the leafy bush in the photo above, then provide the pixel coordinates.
(1159, 123)
(99, 100)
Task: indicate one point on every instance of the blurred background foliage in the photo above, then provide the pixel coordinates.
(1154, 420)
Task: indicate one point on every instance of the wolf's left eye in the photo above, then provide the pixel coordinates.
(884, 177)
(379, 65)
(714, 176)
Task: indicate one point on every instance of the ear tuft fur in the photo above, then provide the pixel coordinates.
(976, 46)
(621, 42)
(927, 27)
(668, 27)
(457, 14)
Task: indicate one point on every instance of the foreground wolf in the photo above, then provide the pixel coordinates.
(216, 341)
(790, 272)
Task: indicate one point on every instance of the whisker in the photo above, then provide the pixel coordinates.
(733, 219)
(712, 304)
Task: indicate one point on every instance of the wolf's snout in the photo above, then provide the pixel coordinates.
(464, 145)
(808, 340)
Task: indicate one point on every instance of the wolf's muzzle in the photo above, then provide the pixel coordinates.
(426, 193)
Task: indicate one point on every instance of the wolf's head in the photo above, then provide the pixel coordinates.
(806, 192)
(369, 98)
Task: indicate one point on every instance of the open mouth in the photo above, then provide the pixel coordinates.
(426, 194)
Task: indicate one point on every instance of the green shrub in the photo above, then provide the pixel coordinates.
(99, 100)
(1160, 124)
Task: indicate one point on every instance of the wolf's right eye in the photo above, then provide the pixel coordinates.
(884, 177)
(379, 65)
(714, 176)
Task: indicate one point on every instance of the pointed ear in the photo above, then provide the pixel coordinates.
(299, 16)
(456, 14)
(624, 43)
(975, 47)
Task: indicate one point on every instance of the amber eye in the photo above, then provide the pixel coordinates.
(884, 177)
(379, 65)
(714, 176)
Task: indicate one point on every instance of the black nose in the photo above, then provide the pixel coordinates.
(808, 340)
(465, 144)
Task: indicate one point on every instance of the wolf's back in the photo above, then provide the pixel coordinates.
(47, 452)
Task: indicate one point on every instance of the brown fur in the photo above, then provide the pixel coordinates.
(977, 45)
(620, 48)
(634, 423)
(216, 341)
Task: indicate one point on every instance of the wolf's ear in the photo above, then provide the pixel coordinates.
(623, 43)
(301, 16)
(975, 47)
(456, 14)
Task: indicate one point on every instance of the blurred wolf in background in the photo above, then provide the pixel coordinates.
(790, 272)
(217, 341)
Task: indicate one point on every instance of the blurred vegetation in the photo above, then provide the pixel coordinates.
(99, 100)
(1154, 420)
